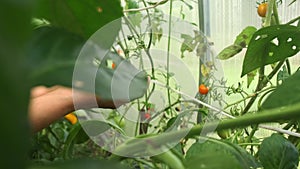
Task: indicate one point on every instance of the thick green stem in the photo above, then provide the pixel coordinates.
(271, 3)
(138, 145)
(275, 12)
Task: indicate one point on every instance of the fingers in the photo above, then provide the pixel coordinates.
(38, 91)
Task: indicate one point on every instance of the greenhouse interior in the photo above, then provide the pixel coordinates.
(150, 84)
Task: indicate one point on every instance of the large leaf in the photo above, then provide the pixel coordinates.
(83, 17)
(271, 44)
(286, 94)
(54, 53)
(277, 152)
(80, 164)
(14, 128)
(213, 153)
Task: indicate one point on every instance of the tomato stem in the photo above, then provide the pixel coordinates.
(137, 145)
(268, 20)
(168, 52)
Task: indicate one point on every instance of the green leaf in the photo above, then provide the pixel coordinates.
(250, 77)
(52, 56)
(170, 159)
(81, 137)
(95, 127)
(83, 17)
(213, 153)
(286, 94)
(136, 19)
(14, 32)
(245, 36)
(80, 164)
(282, 74)
(188, 44)
(229, 52)
(132, 4)
(241, 41)
(271, 44)
(277, 152)
(70, 141)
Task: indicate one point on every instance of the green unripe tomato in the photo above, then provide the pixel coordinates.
(120, 121)
(224, 134)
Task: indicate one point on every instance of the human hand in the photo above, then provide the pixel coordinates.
(50, 104)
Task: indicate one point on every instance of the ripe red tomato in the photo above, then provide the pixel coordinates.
(262, 9)
(203, 89)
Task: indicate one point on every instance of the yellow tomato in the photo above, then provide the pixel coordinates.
(72, 118)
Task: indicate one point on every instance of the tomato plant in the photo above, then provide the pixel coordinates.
(162, 125)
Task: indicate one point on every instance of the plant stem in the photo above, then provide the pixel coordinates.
(249, 144)
(271, 3)
(288, 66)
(275, 11)
(293, 20)
(137, 145)
(146, 8)
(261, 84)
(254, 129)
(248, 97)
(168, 52)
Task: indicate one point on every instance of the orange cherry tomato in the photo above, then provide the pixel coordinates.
(72, 118)
(113, 65)
(203, 89)
(262, 9)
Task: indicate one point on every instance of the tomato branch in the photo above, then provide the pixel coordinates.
(146, 8)
(137, 145)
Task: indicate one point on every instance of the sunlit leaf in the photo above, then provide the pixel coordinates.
(229, 52)
(245, 36)
(241, 41)
(277, 152)
(136, 19)
(271, 44)
(188, 44)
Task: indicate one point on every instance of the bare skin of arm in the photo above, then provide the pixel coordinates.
(50, 104)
